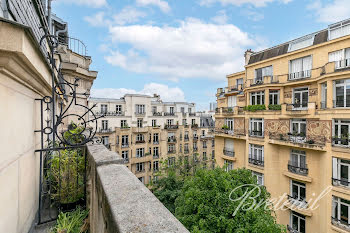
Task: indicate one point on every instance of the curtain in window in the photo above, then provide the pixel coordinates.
(232, 101)
(336, 56)
(267, 71)
(347, 53)
(335, 33)
(296, 65)
(307, 63)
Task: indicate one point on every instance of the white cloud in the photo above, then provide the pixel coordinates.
(88, 3)
(332, 12)
(253, 15)
(128, 15)
(163, 5)
(166, 93)
(194, 49)
(220, 18)
(256, 3)
(97, 20)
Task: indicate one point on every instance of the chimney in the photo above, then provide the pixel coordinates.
(247, 55)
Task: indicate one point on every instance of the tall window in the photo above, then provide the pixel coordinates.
(232, 101)
(125, 140)
(204, 155)
(140, 108)
(341, 58)
(259, 177)
(103, 108)
(257, 98)
(297, 222)
(193, 121)
(256, 127)
(298, 127)
(239, 83)
(170, 122)
(189, 110)
(139, 138)
(140, 167)
(204, 144)
(341, 211)
(298, 158)
(118, 109)
(300, 68)
(156, 151)
(324, 95)
(154, 123)
(261, 73)
(154, 109)
(298, 192)
(171, 148)
(171, 161)
(341, 172)
(341, 132)
(339, 29)
(155, 165)
(228, 165)
(274, 97)
(300, 98)
(139, 123)
(342, 93)
(186, 147)
(171, 110)
(105, 140)
(182, 109)
(125, 154)
(104, 124)
(140, 152)
(256, 154)
(156, 138)
(123, 124)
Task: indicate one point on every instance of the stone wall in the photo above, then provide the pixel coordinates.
(119, 202)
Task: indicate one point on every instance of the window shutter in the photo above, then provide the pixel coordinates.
(335, 168)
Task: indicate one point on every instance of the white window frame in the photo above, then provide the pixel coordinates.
(345, 84)
(340, 165)
(300, 219)
(298, 199)
(125, 154)
(254, 125)
(254, 101)
(230, 123)
(105, 140)
(337, 204)
(156, 137)
(139, 123)
(259, 177)
(154, 122)
(156, 151)
(300, 74)
(266, 71)
(118, 109)
(300, 90)
(123, 123)
(140, 167)
(104, 124)
(140, 137)
(140, 152)
(140, 108)
(125, 139)
(272, 95)
(170, 122)
(104, 108)
(228, 165)
(256, 152)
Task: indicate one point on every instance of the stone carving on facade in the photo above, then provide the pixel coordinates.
(313, 92)
(288, 94)
(241, 98)
(219, 123)
(239, 125)
(317, 128)
(276, 126)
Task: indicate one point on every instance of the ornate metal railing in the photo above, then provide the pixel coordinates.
(299, 138)
(299, 75)
(256, 133)
(229, 152)
(258, 162)
(171, 127)
(297, 169)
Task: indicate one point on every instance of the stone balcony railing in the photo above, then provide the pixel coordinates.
(119, 202)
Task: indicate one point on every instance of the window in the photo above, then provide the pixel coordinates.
(171, 110)
(259, 177)
(155, 165)
(232, 101)
(154, 109)
(171, 161)
(298, 192)
(303, 42)
(140, 138)
(154, 123)
(257, 98)
(298, 127)
(125, 155)
(229, 123)
(203, 133)
(155, 151)
(297, 222)
(182, 109)
(261, 73)
(189, 110)
(195, 146)
(274, 97)
(186, 147)
(239, 83)
(324, 95)
(118, 109)
(103, 108)
(140, 108)
(228, 165)
(194, 133)
(156, 138)
(140, 167)
(104, 124)
(171, 148)
(297, 163)
(125, 140)
(140, 152)
(204, 144)
(256, 155)
(339, 30)
(256, 127)
(341, 132)
(341, 58)
(342, 93)
(139, 123)
(123, 124)
(204, 155)
(105, 140)
(341, 172)
(341, 211)
(229, 147)
(184, 121)
(300, 68)
(193, 121)
(170, 122)
(300, 98)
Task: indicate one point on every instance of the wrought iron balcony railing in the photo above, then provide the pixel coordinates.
(318, 140)
(258, 162)
(105, 130)
(169, 114)
(341, 223)
(107, 113)
(171, 139)
(342, 64)
(298, 201)
(156, 113)
(235, 88)
(171, 151)
(156, 142)
(140, 141)
(192, 114)
(341, 182)
(171, 127)
(256, 133)
(228, 152)
(125, 145)
(194, 126)
(297, 169)
(140, 113)
(299, 75)
(297, 107)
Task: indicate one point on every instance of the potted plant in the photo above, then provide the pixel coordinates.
(281, 137)
(311, 141)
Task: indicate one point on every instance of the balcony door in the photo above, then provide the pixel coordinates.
(232, 101)
(300, 98)
(342, 93)
(298, 159)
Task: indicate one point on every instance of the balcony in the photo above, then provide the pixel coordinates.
(186, 138)
(172, 139)
(171, 127)
(140, 141)
(235, 133)
(125, 145)
(106, 113)
(195, 138)
(156, 113)
(233, 89)
(169, 114)
(256, 133)
(140, 113)
(229, 152)
(297, 201)
(257, 162)
(301, 140)
(171, 151)
(342, 64)
(156, 142)
(297, 107)
(192, 114)
(262, 80)
(341, 182)
(342, 224)
(299, 75)
(105, 130)
(295, 168)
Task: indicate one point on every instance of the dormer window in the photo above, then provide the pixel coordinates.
(339, 30)
(301, 43)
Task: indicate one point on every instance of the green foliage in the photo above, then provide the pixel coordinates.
(74, 135)
(71, 222)
(274, 107)
(225, 127)
(254, 108)
(67, 175)
(204, 204)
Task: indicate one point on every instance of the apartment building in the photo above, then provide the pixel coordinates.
(144, 130)
(286, 117)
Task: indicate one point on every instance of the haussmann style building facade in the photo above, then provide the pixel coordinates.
(286, 118)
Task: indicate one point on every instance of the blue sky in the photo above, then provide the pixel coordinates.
(182, 49)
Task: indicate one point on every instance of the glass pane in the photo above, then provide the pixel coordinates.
(295, 127)
(302, 226)
(339, 96)
(295, 191)
(303, 128)
(344, 214)
(347, 96)
(297, 99)
(305, 97)
(302, 193)
(344, 174)
(294, 222)
(302, 161)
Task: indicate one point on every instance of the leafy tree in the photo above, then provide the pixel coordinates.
(208, 201)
